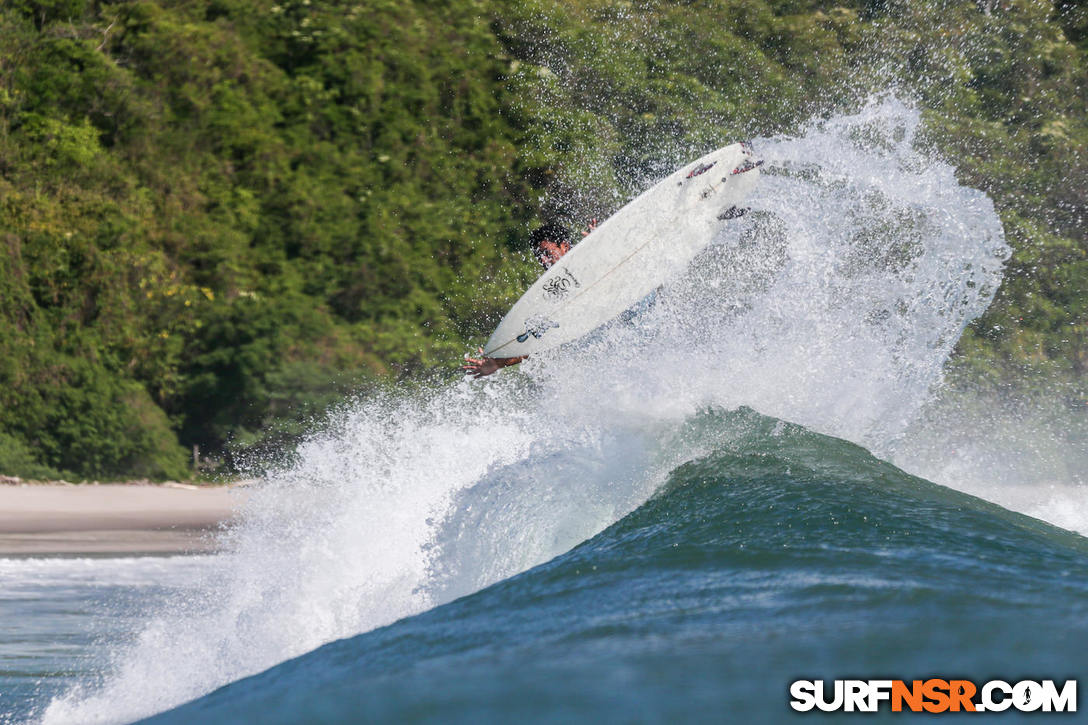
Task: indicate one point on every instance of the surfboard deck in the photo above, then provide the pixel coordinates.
(629, 255)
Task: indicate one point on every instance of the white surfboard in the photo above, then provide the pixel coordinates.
(628, 256)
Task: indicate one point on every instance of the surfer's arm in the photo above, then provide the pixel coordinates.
(483, 365)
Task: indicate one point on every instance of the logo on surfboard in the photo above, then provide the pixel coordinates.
(559, 287)
(536, 326)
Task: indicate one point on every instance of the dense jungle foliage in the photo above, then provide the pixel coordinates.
(219, 216)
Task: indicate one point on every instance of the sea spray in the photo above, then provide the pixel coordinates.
(834, 303)
(1017, 444)
(352, 537)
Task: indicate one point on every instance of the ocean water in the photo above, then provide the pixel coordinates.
(62, 617)
(780, 555)
(671, 518)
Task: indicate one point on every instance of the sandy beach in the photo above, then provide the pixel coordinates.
(49, 519)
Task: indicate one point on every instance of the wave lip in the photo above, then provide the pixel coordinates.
(779, 554)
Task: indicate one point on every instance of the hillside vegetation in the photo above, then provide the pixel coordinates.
(219, 216)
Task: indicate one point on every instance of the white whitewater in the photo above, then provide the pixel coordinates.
(834, 305)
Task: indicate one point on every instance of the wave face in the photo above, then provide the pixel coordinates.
(781, 554)
(833, 304)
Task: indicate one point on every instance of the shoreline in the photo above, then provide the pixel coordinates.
(60, 518)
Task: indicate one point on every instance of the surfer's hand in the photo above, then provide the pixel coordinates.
(481, 366)
(592, 226)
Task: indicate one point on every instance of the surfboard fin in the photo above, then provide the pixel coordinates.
(748, 165)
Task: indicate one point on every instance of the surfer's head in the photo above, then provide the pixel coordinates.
(549, 243)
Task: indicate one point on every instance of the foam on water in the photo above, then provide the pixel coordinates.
(833, 304)
(33, 574)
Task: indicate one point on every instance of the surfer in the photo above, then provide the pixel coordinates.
(551, 241)
(548, 243)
